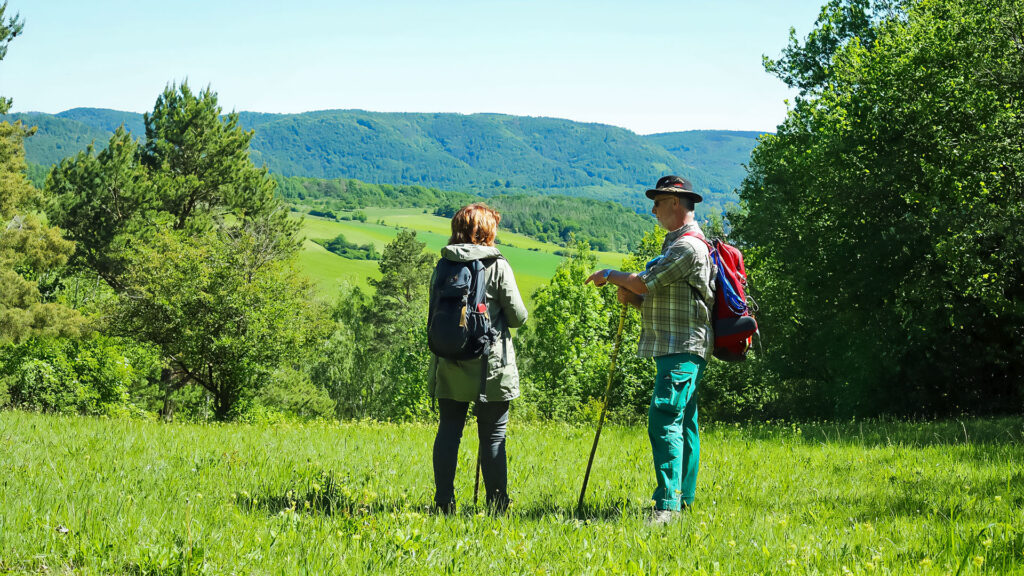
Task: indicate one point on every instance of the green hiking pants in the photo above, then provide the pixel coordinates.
(672, 427)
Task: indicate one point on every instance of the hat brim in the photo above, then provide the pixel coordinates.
(675, 192)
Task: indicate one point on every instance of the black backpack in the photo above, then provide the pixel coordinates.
(459, 324)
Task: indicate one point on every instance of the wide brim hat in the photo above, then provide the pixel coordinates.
(674, 185)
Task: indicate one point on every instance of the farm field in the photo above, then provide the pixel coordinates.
(534, 262)
(99, 496)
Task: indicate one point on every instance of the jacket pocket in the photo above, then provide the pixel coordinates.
(672, 393)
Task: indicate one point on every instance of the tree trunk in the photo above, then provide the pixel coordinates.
(166, 379)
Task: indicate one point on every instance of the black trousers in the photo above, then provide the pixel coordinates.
(492, 424)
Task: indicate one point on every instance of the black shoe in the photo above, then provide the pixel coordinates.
(498, 503)
(446, 509)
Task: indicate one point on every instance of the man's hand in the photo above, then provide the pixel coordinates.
(626, 280)
(626, 296)
(599, 278)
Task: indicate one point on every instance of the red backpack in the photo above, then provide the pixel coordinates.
(734, 325)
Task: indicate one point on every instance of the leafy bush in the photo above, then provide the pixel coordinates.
(100, 375)
(342, 247)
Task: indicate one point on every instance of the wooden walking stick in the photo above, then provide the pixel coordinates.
(604, 407)
(476, 487)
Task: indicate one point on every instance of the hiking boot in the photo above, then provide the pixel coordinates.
(499, 503)
(446, 509)
(661, 517)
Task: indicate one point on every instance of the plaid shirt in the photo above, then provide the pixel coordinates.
(675, 315)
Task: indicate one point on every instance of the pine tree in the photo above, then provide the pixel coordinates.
(29, 248)
(187, 204)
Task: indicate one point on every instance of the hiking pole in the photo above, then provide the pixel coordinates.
(476, 487)
(604, 407)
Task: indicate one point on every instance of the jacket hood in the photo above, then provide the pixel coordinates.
(468, 252)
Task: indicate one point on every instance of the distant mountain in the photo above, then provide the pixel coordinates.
(481, 153)
(720, 156)
(107, 120)
(57, 137)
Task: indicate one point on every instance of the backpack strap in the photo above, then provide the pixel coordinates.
(700, 237)
(484, 365)
(711, 255)
(479, 267)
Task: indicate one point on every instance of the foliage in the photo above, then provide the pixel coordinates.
(193, 169)
(348, 194)
(36, 175)
(808, 66)
(224, 312)
(30, 249)
(883, 221)
(190, 235)
(342, 247)
(199, 161)
(30, 252)
(605, 226)
(375, 361)
(10, 28)
(102, 202)
(563, 350)
(290, 394)
(97, 375)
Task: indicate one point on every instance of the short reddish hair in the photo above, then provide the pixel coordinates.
(475, 224)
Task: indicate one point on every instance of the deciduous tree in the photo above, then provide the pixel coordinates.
(884, 219)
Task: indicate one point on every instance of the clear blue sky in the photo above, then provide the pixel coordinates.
(650, 66)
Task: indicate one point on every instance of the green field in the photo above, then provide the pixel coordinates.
(532, 261)
(97, 496)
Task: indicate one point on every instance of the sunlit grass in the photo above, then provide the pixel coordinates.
(533, 262)
(109, 496)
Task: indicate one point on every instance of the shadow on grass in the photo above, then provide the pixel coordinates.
(941, 500)
(874, 433)
(327, 494)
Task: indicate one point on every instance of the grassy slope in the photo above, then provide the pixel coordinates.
(533, 262)
(109, 496)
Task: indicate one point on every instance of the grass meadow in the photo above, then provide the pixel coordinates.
(96, 496)
(533, 262)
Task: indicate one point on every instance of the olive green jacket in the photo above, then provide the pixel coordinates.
(460, 379)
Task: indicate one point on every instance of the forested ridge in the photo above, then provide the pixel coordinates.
(478, 153)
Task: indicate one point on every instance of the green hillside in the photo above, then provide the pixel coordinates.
(57, 138)
(605, 225)
(534, 262)
(107, 120)
(478, 153)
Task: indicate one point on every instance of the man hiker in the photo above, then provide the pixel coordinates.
(675, 294)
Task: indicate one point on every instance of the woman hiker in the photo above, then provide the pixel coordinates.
(489, 381)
